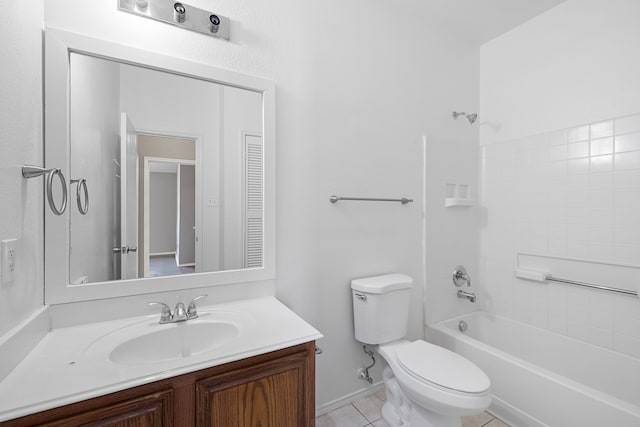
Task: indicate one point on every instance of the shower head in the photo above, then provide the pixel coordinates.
(471, 117)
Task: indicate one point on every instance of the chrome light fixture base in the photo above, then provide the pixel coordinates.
(179, 14)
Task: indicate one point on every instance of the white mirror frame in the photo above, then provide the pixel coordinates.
(58, 47)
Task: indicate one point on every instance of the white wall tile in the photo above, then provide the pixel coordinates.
(627, 307)
(558, 152)
(577, 231)
(600, 181)
(602, 129)
(558, 323)
(601, 146)
(627, 124)
(601, 337)
(577, 182)
(574, 199)
(601, 320)
(600, 199)
(577, 215)
(601, 233)
(627, 254)
(626, 233)
(627, 161)
(627, 345)
(628, 326)
(578, 248)
(627, 179)
(601, 251)
(601, 163)
(578, 331)
(578, 149)
(578, 165)
(580, 133)
(629, 142)
(558, 247)
(601, 216)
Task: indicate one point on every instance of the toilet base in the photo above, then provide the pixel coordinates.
(418, 418)
(399, 411)
(421, 417)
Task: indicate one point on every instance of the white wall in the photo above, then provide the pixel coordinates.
(560, 177)
(242, 113)
(186, 237)
(354, 98)
(21, 207)
(163, 204)
(163, 103)
(451, 233)
(94, 143)
(159, 147)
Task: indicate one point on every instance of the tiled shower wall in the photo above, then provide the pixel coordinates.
(574, 194)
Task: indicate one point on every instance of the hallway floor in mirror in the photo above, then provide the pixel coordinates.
(366, 412)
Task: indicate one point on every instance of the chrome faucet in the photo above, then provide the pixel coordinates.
(179, 314)
(460, 278)
(468, 295)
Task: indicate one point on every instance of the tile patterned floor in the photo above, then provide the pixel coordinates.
(366, 413)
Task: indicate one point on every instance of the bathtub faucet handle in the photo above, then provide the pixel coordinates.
(460, 276)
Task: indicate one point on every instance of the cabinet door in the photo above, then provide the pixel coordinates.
(153, 410)
(270, 394)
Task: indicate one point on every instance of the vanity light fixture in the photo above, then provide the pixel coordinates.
(179, 14)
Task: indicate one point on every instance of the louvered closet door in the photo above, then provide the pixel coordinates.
(253, 201)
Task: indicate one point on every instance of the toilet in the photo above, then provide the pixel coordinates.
(427, 385)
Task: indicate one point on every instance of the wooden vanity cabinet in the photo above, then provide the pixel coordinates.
(275, 389)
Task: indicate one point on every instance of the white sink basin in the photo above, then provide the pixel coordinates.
(147, 341)
(174, 341)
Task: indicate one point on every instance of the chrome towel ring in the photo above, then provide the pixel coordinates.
(82, 185)
(30, 171)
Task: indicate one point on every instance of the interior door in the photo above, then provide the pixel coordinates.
(129, 198)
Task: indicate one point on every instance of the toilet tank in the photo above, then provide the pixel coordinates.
(381, 307)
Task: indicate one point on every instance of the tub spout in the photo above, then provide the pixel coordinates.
(468, 295)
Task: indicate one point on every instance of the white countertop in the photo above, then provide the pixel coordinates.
(68, 366)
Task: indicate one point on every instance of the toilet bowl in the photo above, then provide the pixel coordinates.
(436, 385)
(427, 385)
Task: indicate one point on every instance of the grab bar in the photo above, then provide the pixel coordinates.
(30, 171)
(550, 278)
(404, 200)
(82, 184)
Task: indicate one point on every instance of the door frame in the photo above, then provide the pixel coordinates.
(146, 202)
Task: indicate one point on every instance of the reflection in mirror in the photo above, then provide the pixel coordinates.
(174, 167)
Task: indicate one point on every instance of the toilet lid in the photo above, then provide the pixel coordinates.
(443, 367)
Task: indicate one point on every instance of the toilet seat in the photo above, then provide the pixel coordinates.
(441, 367)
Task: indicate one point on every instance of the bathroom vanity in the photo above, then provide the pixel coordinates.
(275, 389)
(91, 374)
(248, 362)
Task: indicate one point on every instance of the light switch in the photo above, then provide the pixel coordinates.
(8, 252)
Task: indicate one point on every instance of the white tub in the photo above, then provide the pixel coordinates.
(540, 378)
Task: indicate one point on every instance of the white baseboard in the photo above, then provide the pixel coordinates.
(162, 253)
(188, 264)
(349, 398)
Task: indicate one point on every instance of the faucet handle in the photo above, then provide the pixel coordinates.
(166, 315)
(460, 276)
(192, 312)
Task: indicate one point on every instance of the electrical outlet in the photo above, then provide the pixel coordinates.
(8, 253)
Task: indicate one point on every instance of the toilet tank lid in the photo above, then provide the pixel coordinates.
(382, 284)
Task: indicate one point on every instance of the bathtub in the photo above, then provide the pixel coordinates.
(540, 378)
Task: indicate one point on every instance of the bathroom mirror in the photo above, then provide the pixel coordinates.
(178, 161)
